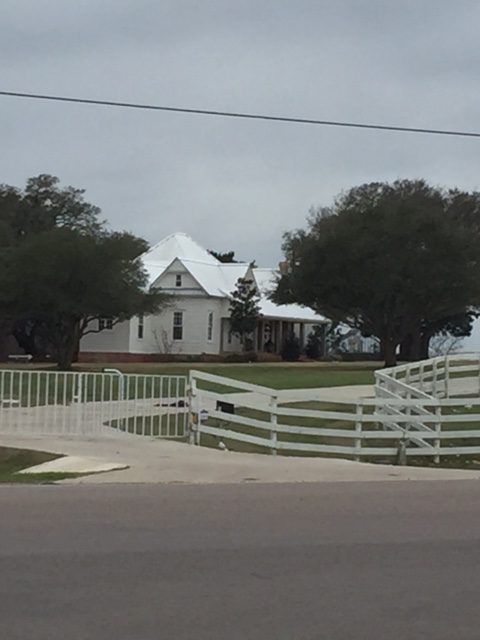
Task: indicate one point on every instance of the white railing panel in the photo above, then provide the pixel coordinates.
(71, 403)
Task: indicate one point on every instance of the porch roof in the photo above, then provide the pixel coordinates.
(266, 280)
(289, 312)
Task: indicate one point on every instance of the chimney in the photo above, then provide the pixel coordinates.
(284, 267)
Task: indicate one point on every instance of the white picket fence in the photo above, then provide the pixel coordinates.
(429, 408)
(70, 403)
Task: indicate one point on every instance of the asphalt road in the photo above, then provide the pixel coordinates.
(332, 561)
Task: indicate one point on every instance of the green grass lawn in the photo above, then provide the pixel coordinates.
(279, 375)
(463, 461)
(276, 375)
(13, 460)
(344, 425)
(64, 388)
(156, 426)
(43, 389)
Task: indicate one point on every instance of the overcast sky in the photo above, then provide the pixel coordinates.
(235, 184)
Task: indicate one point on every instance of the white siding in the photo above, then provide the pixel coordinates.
(158, 330)
(234, 346)
(117, 340)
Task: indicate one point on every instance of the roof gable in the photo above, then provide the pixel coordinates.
(218, 279)
(215, 279)
(178, 245)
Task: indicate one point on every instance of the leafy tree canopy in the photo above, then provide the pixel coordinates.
(44, 205)
(387, 259)
(70, 279)
(226, 257)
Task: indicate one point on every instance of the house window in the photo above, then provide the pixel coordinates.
(105, 324)
(178, 325)
(210, 326)
(178, 280)
(141, 323)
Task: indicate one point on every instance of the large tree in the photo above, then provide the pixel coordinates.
(70, 279)
(41, 206)
(11, 225)
(387, 259)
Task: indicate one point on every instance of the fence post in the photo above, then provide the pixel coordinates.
(447, 377)
(408, 410)
(438, 430)
(273, 423)
(79, 407)
(192, 395)
(358, 431)
(479, 376)
(434, 378)
(421, 376)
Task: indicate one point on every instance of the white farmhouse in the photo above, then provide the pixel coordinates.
(197, 321)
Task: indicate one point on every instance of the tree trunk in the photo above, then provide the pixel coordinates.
(65, 356)
(24, 334)
(410, 347)
(76, 351)
(415, 352)
(425, 346)
(3, 346)
(5, 331)
(67, 344)
(406, 348)
(389, 349)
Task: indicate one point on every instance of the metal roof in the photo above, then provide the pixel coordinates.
(218, 279)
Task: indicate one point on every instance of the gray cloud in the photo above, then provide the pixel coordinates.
(236, 184)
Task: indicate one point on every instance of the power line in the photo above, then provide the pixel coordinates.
(233, 114)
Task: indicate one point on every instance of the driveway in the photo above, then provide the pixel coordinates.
(162, 461)
(167, 461)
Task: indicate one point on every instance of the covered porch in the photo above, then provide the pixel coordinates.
(271, 333)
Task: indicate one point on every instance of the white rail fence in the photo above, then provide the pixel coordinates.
(430, 409)
(426, 409)
(441, 377)
(70, 403)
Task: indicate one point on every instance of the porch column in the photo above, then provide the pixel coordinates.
(302, 336)
(260, 335)
(284, 333)
(222, 332)
(277, 333)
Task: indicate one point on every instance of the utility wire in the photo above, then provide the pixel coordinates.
(233, 114)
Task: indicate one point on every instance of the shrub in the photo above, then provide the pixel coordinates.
(291, 348)
(312, 348)
(247, 356)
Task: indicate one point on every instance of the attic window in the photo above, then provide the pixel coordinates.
(178, 280)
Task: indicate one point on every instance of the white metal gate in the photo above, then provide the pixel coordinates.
(70, 403)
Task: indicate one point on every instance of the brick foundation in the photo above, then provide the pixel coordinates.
(124, 357)
(112, 356)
